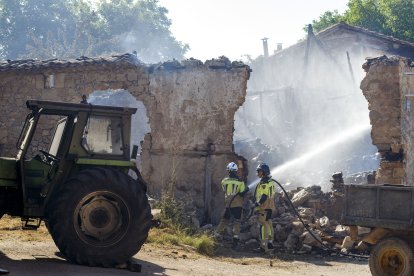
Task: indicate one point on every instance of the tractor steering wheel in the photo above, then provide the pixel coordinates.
(49, 157)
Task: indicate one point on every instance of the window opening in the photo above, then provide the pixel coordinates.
(103, 135)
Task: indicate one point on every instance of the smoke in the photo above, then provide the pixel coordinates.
(304, 161)
(130, 42)
(303, 107)
(151, 48)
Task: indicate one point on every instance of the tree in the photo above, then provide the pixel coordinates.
(68, 29)
(326, 20)
(399, 18)
(390, 17)
(367, 14)
(20, 20)
(78, 35)
(142, 26)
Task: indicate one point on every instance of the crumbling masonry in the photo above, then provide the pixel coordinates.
(190, 106)
(389, 89)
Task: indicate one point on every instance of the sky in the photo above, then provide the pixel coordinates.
(234, 28)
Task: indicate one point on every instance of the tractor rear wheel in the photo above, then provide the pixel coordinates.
(101, 217)
(392, 256)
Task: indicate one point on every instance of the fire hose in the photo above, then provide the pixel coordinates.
(310, 230)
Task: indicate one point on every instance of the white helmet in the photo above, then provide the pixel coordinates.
(232, 167)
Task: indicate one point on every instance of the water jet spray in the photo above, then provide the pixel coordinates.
(326, 144)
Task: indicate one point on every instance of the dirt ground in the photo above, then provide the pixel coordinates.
(34, 253)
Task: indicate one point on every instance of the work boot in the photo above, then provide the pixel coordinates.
(259, 250)
(235, 244)
(270, 246)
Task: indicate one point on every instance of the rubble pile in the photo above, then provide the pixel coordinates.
(317, 230)
(320, 211)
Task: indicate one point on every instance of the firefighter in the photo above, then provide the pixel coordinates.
(264, 205)
(234, 192)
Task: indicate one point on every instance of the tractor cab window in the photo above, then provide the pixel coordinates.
(57, 137)
(41, 159)
(47, 135)
(103, 135)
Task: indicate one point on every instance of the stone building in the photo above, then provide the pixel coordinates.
(389, 89)
(310, 95)
(190, 108)
(338, 52)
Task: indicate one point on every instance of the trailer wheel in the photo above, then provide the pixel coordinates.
(392, 256)
(101, 217)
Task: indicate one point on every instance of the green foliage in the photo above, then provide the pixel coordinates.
(21, 20)
(399, 18)
(176, 228)
(390, 17)
(68, 29)
(326, 20)
(205, 245)
(173, 211)
(143, 26)
(367, 14)
(202, 243)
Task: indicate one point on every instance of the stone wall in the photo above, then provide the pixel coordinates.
(68, 85)
(407, 117)
(388, 88)
(190, 106)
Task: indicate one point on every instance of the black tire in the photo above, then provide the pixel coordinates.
(101, 217)
(392, 256)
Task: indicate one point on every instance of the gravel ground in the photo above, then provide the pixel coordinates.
(30, 255)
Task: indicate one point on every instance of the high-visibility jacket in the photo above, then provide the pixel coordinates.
(265, 194)
(233, 191)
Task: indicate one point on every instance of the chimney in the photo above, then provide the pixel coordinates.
(279, 47)
(265, 48)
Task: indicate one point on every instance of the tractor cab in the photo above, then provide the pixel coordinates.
(57, 140)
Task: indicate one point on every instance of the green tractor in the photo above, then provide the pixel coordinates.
(77, 179)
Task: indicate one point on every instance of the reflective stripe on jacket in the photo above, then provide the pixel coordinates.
(267, 189)
(232, 187)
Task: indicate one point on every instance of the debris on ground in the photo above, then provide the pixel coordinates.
(320, 211)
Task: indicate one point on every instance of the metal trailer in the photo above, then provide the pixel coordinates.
(389, 211)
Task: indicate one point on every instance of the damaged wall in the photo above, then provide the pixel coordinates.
(190, 106)
(192, 121)
(388, 88)
(407, 118)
